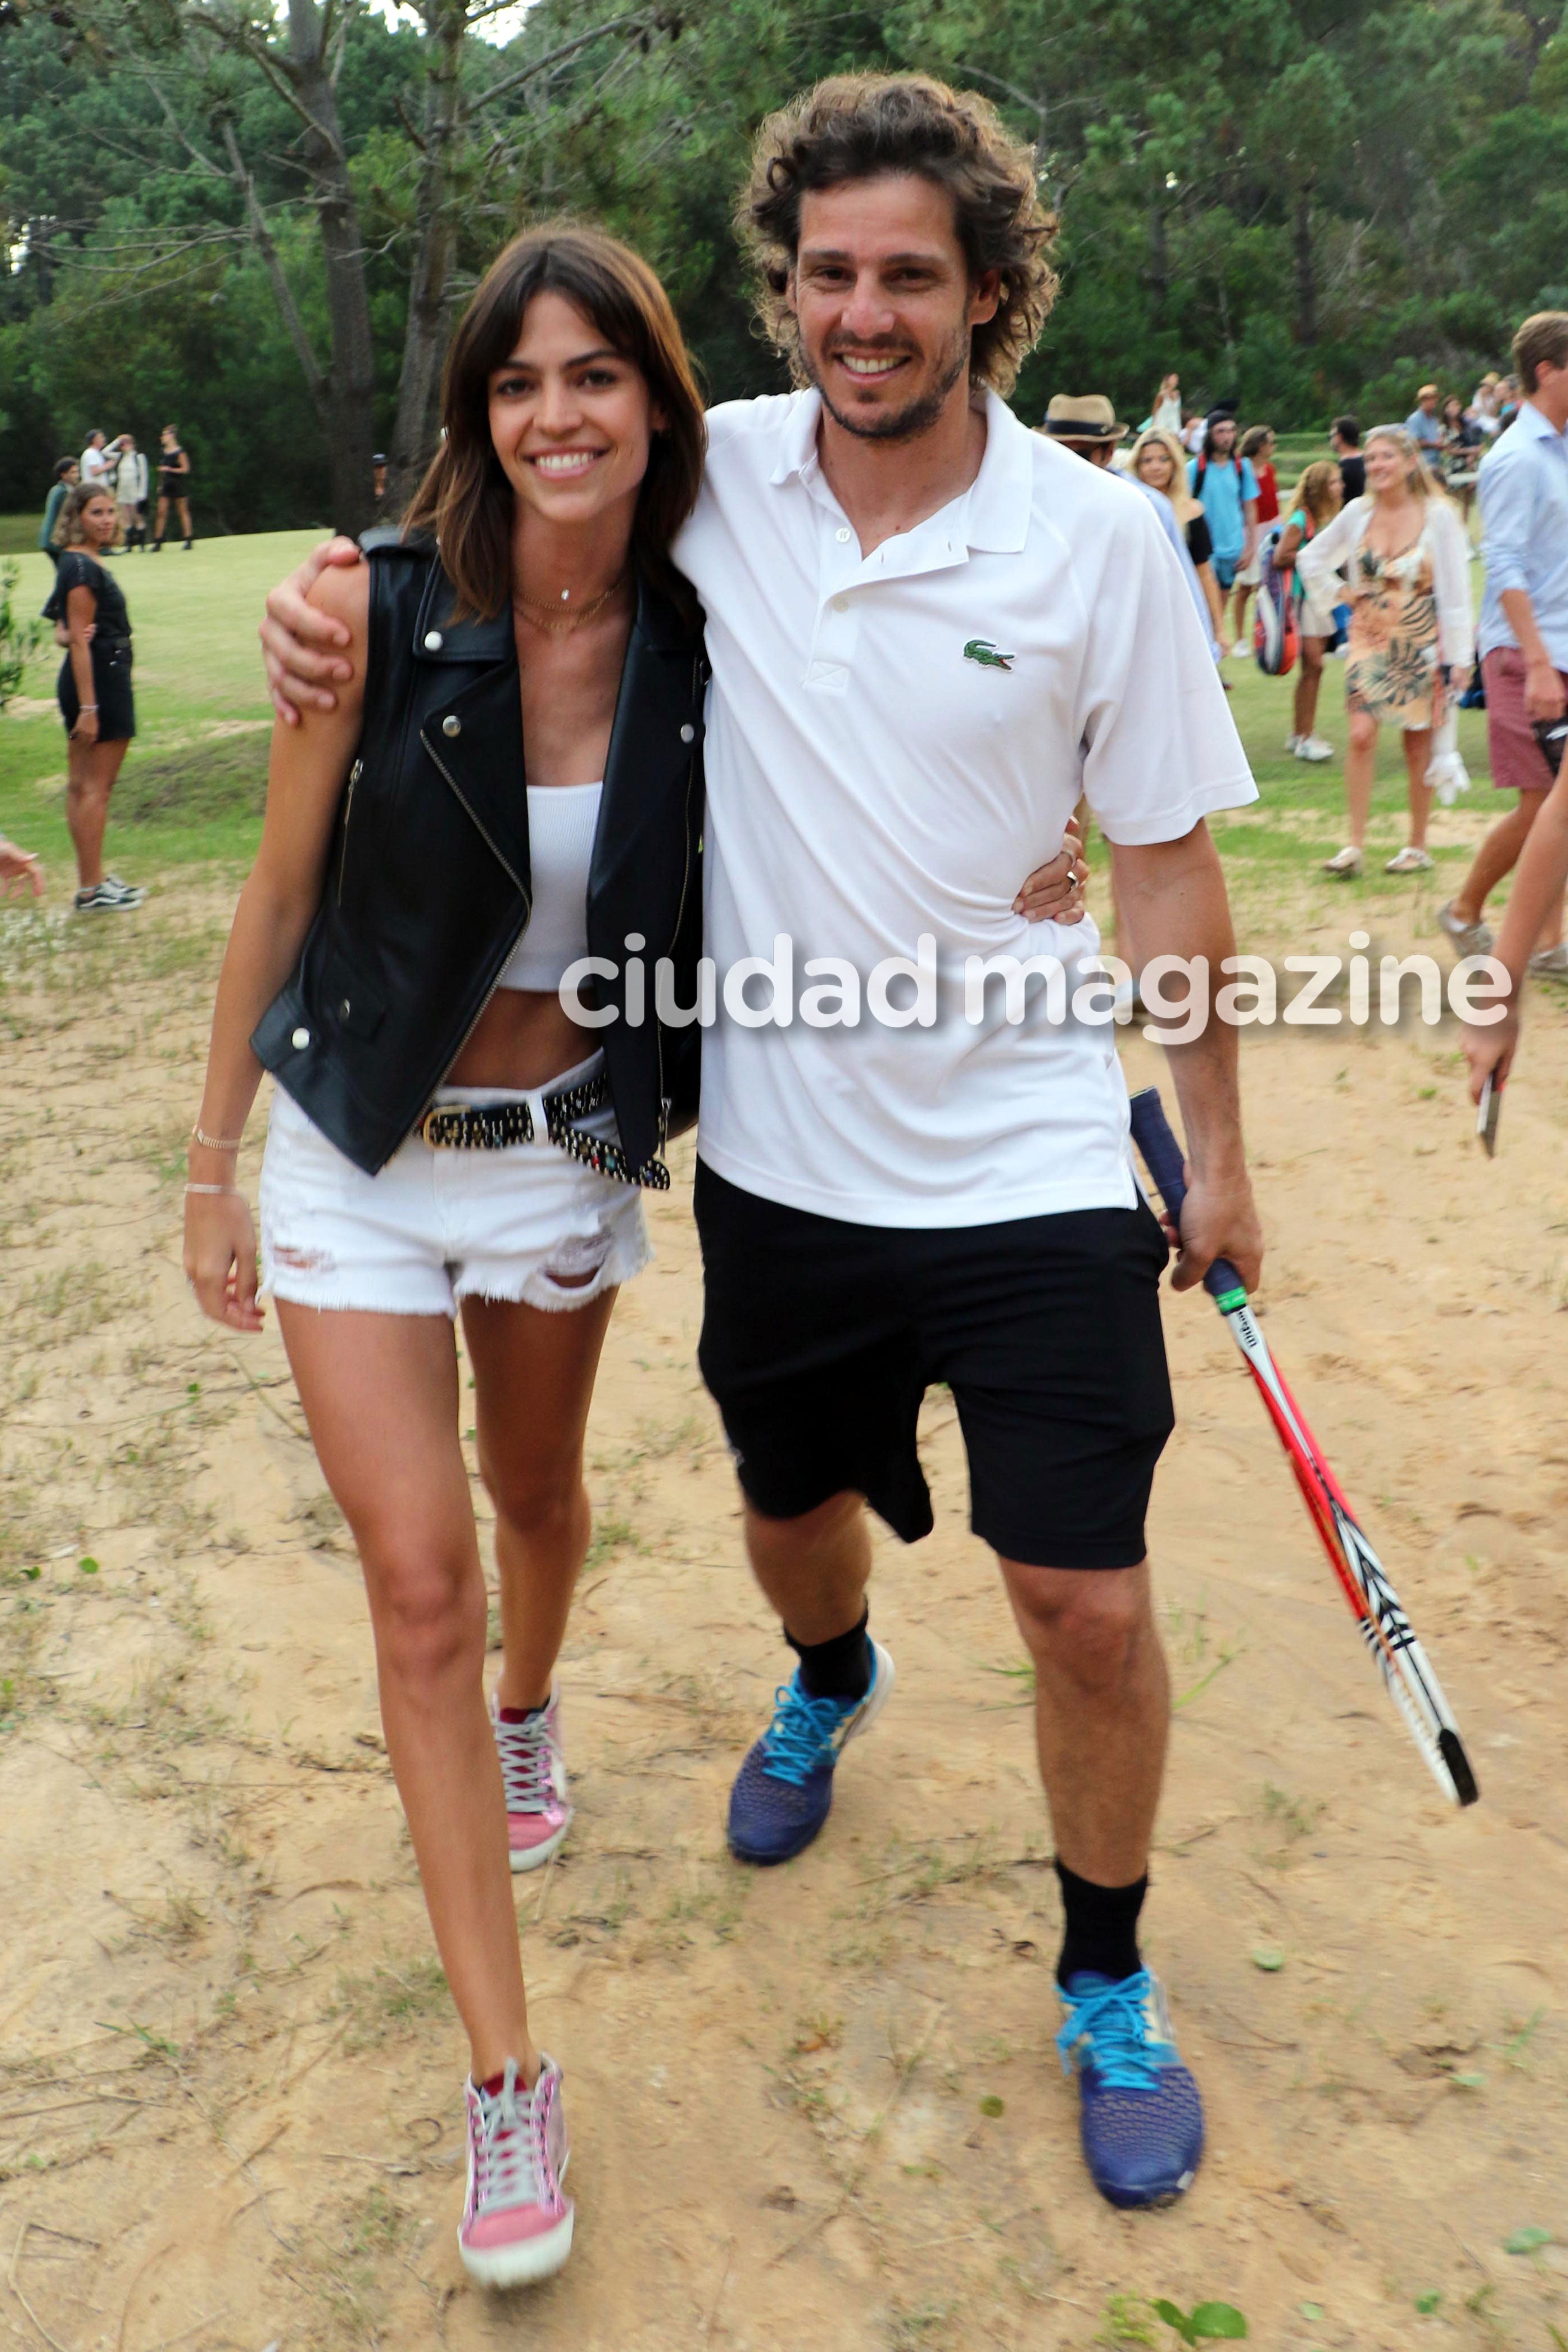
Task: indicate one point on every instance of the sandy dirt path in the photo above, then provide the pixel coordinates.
(228, 2071)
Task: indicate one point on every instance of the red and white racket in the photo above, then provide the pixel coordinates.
(1405, 1665)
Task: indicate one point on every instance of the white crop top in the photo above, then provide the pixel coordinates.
(561, 819)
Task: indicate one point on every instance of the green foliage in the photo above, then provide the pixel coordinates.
(1297, 206)
(1127, 2318)
(1206, 2323)
(20, 635)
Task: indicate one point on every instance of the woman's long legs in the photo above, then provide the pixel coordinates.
(185, 508)
(1361, 765)
(91, 769)
(380, 1392)
(1308, 679)
(1418, 758)
(533, 1374)
(161, 522)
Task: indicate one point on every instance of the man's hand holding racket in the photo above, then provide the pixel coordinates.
(1220, 1219)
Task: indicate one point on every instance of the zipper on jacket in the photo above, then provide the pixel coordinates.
(664, 1099)
(686, 870)
(354, 774)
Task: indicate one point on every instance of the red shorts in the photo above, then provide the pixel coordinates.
(1519, 763)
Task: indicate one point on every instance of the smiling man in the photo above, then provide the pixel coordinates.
(885, 1207)
(931, 633)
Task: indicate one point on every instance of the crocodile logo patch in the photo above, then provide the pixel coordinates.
(981, 650)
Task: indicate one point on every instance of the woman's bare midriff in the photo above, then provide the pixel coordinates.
(522, 1039)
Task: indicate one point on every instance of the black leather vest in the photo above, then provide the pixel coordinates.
(428, 888)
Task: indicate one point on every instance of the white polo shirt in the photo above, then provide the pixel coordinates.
(868, 780)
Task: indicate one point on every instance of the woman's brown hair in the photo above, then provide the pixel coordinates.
(860, 126)
(1314, 492)
(66, 532)
(465, 498)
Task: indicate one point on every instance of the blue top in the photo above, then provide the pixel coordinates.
(1523, 492)
(1426, 431)
(1225, 486)
(1173, 529)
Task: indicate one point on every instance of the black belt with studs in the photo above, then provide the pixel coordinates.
(500, 1126)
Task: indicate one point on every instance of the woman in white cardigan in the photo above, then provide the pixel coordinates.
(1405, 556)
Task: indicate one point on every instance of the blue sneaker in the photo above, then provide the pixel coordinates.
(783, 1791)
(1142, 2119)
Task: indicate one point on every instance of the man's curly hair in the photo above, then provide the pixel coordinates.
(859, 126)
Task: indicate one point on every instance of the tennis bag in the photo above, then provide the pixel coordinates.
(1274, 639)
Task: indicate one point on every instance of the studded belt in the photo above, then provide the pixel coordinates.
(500, 1126)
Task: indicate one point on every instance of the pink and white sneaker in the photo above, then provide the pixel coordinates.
(516, 2225)
(533, 1773)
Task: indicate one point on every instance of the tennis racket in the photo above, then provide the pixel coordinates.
(1406, 1671)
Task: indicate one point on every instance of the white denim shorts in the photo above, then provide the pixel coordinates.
(437, 1226)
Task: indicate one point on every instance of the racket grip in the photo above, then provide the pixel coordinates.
(1163, 1157)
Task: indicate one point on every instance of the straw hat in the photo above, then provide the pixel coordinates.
(1089, 419)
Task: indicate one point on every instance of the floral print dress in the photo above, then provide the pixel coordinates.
(1390, 670)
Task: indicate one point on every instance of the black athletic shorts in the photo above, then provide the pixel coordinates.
(111, 690)
(820, 1338)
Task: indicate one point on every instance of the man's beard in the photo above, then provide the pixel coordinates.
(902, 423)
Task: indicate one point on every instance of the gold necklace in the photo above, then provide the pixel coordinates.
(561, 624)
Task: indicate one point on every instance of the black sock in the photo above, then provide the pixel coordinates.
(1102, 1926)
(837, 1669)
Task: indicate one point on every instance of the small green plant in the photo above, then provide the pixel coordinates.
(992, 2105)
(1427, 2302)
(1527, 2241)
(1516, 2050)
(87, 1567)
(1127, 2322)
(1296, 1817)
(1208, 2322)
(20, 637)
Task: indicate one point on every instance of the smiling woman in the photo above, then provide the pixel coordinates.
(509, 774)
(623, 333)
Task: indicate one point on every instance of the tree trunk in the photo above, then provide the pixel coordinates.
(1159, 270)
(418, 422)
(351, 377)
(282, 293)
(1306, 269)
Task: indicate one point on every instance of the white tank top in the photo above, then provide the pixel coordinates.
(560, 823)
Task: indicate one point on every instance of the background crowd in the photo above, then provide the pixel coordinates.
(1367, 557)
(1364, 557)
(118, 469)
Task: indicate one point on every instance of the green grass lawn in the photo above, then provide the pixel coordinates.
(191, 787)
(192, 783)
(20, 532)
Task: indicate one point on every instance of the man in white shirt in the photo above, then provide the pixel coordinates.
(930, 634)
(97, 462)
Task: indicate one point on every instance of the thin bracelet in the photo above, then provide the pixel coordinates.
(87, 705)
(211, 1188)
(215, 1142)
